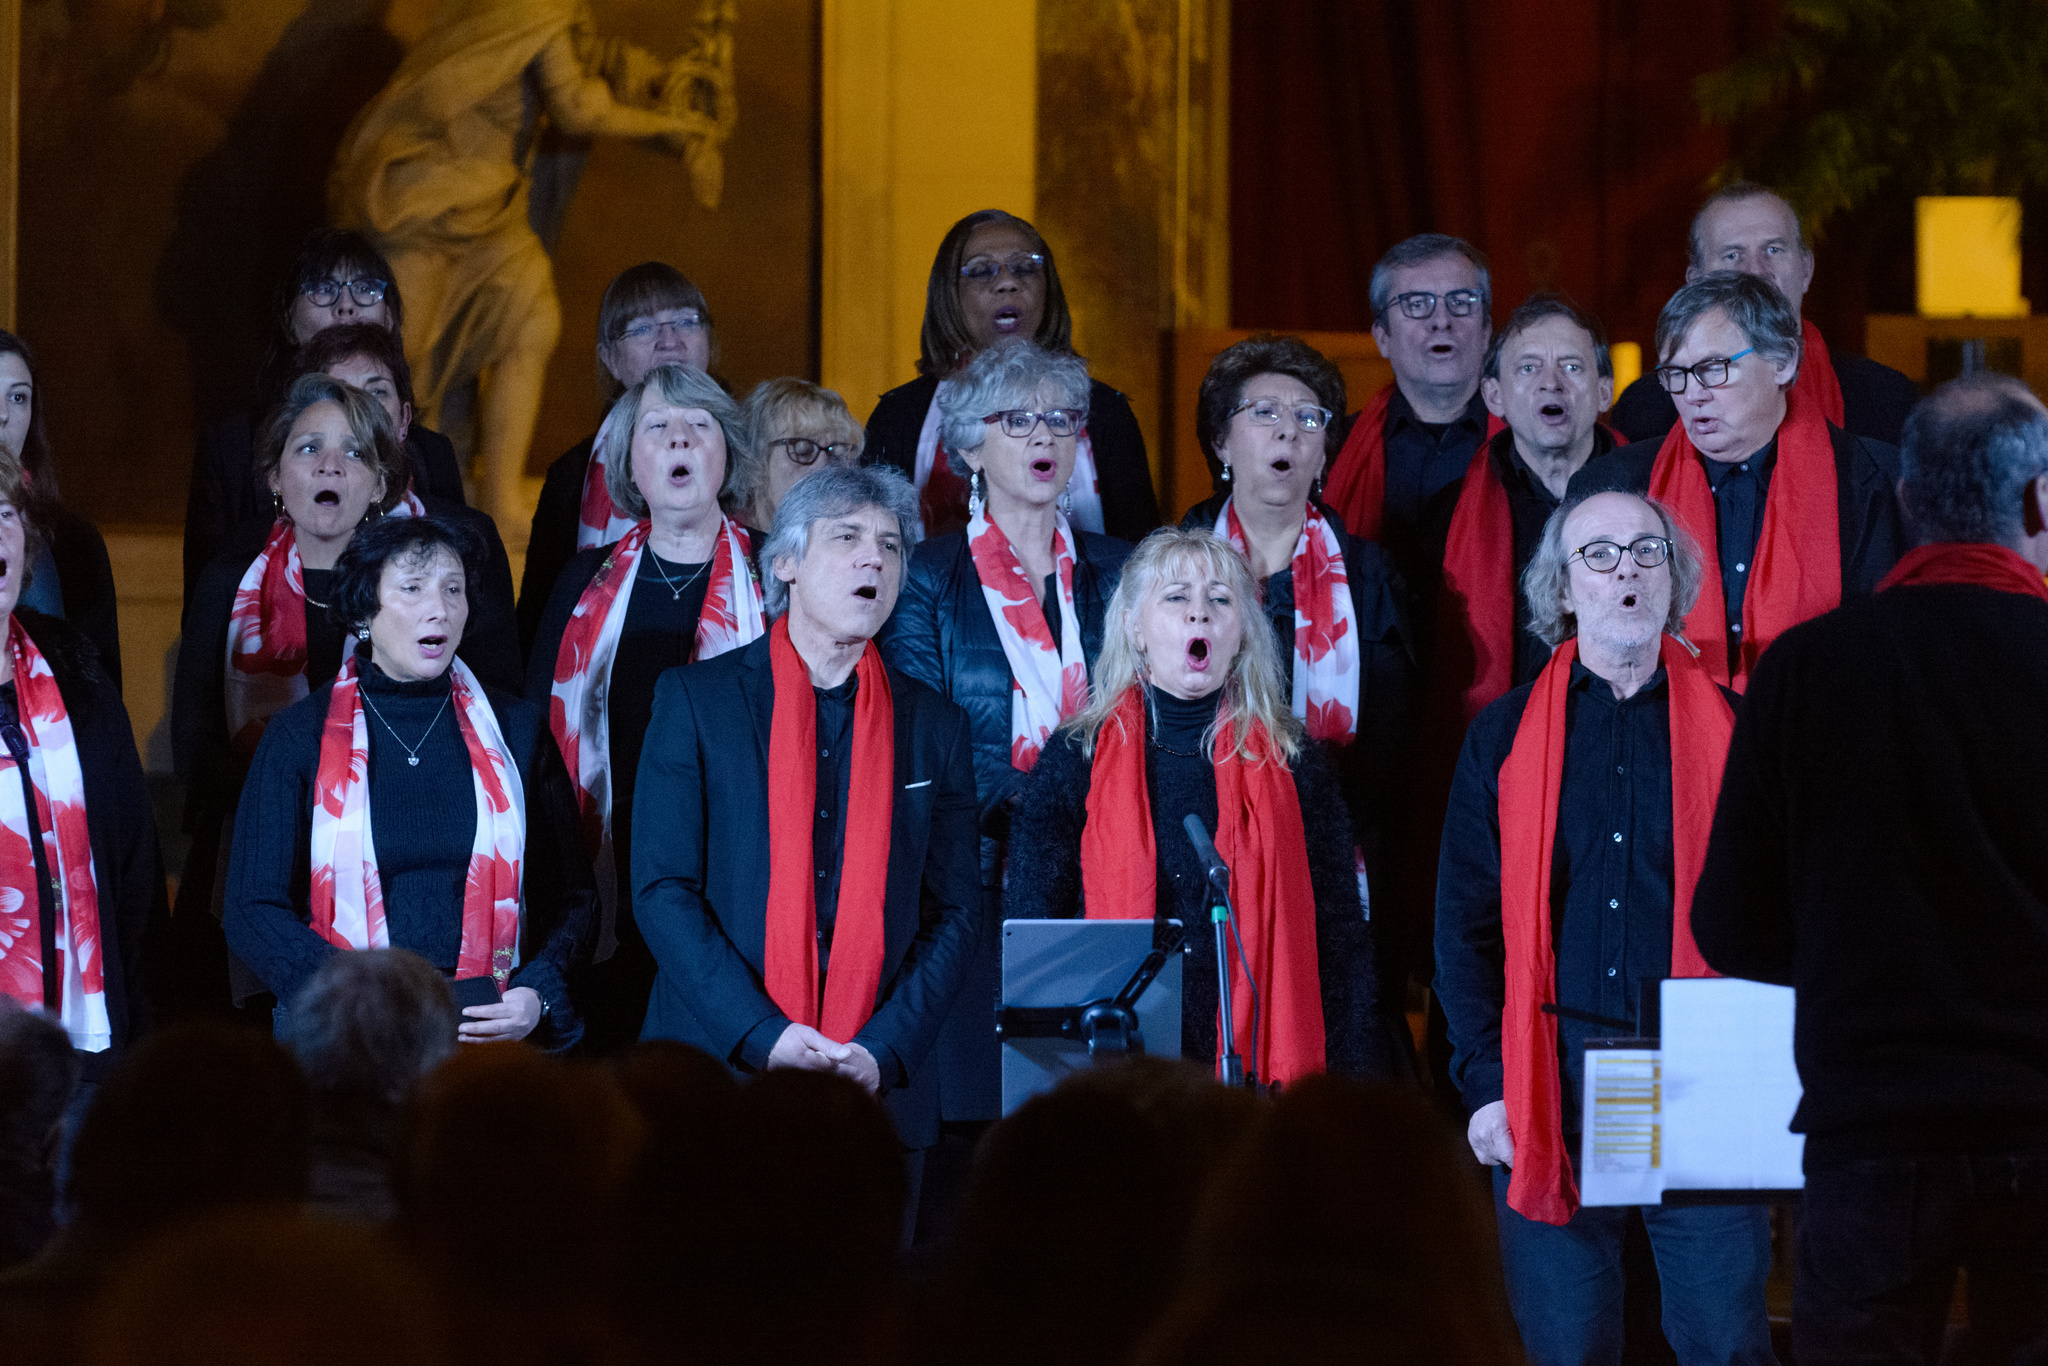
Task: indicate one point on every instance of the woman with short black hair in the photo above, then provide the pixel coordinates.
(479, 869)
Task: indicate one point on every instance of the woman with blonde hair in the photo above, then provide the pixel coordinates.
(1191, 716)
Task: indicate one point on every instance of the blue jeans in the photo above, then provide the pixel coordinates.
(1880, 1242)
(1565, 1282)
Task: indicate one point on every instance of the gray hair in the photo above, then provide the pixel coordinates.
(1417, 250)
(1767, 321)
(682, 387)
(371, 1023)
(1731, 193)
(786, 407)
(1968, 453)
(831, 493)
(1549, 571)
(1002, 377)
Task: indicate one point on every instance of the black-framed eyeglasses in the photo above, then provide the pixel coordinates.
(1420, 303)
(1604, 557)
(683, 326)
(983, 270)
(1711, 374)
(1022, 422)
(805, 451)
(365, 290)
(1267, 412)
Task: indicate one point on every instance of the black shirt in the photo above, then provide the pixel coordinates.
(326, 634)
(1740, 490)
(659, 633)
(1184, 784)
(1422, 457)
(835, 786)
(1610, 879)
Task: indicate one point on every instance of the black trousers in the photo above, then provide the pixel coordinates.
(1881, 1240)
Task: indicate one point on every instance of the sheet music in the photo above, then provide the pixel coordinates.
(1621, 1144)
(1730, 1086)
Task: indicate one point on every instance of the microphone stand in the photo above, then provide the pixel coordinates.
(1231, 1065)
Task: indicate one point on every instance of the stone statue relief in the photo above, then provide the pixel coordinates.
(438, 170)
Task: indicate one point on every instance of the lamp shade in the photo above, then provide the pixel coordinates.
(1968, 249)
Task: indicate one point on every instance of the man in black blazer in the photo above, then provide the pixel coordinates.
(701, 821)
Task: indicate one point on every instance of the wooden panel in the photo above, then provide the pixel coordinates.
(1365, 373)
(1900, 341)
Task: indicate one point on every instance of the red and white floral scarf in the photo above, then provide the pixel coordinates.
(578, 711)
(1326, 673)
(598, 521)
(348, 900)
(1048, 684)
(59, 783)
(266, 666)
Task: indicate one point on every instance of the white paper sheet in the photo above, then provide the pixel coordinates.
(1730, 1086)
(1620, 1148)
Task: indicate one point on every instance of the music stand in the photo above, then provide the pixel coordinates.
(1053, 970)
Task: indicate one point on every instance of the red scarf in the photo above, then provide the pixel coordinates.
(790, 972)
(1542, 1187)
(1326, 669)
(1987, 566)
(1357, 483)
(1797, 572)
(1259, 834)
(1817, 381)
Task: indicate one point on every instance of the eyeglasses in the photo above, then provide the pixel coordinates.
(1267, 413)
(667, 327)
(1711, 374)
(805, 451)
(1023, 422)
(983, 270)
(1420, 303)
(1604, 557)
(364, 291)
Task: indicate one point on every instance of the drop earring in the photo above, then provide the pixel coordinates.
(1226, 474)
(977, 493)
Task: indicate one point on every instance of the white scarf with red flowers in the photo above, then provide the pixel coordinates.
(59, 782)
(578, 712)
(599, 521)
(1326, 670)
(347, 899)
(1048, 684)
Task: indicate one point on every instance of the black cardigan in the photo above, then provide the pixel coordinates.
(942, 635)
(223, 493)
(551, 544)
(1130, 507)
(269, 876)
(1044, 882)
(127, 871)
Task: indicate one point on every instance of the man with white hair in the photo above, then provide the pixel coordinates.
(1578, 819)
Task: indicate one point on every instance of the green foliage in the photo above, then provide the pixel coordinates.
(1854, 97)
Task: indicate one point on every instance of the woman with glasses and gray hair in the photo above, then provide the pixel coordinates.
(793, 430)
(993, 280)
(1005, 618)
(1190, 717)
(651, 315)
(678, 585)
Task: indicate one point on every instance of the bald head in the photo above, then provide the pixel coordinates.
(1973, 454)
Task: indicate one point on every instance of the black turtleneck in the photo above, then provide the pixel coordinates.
(422, 817)
(326, 635)
(1182, 781)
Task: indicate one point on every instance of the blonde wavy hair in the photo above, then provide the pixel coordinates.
(1254, 691)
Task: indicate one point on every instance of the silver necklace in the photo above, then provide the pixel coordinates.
(412, 752)
(662, 570)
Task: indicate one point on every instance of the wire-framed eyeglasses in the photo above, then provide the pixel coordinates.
(680, 326)
(1267, 412)
(365, 290)
(983, 270)
(1711, 374)
(805, 451)
(1420, 303)
(1022, 422)
(1604, 557)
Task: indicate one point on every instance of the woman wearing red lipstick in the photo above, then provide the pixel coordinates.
(678, 585)
(994, 279)
(477, 865)
(1190, 717)
(1004, 618)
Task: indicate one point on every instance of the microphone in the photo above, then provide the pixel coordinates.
(1205, 850)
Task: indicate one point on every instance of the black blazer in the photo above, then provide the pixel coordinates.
(942, 635)
(1873, 530)
(1130, 507)
(269, 877)
(700, 871)
(85, 581)
(223, 493)
(127, 870)
(551, 544)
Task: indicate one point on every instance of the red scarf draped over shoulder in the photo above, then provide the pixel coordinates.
(1259, 834)
(1357, 483)
(1797, 572)
(790, 970)
(1987, 566)
(1542, 1186)
(1817, 381)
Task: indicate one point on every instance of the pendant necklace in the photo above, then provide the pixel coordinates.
(412, 752)
(662, 570)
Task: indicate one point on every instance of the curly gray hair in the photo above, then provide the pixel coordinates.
(684, 388)
(833, 492)
(1549, 571)
(1002, 377)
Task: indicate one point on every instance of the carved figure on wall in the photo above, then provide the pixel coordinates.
(438, 171)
